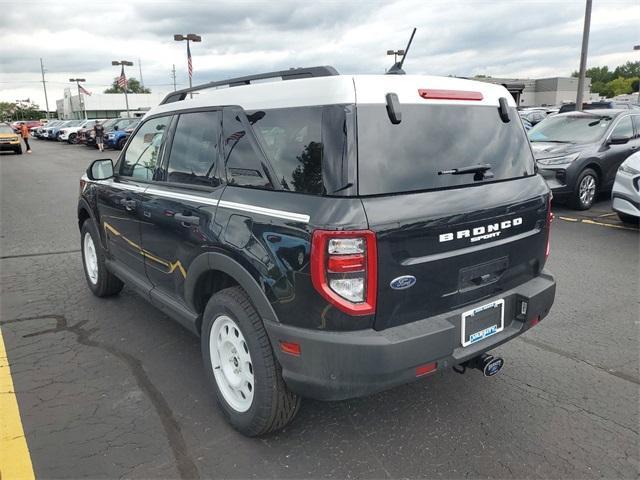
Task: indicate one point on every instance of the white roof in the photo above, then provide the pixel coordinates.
(339, 89)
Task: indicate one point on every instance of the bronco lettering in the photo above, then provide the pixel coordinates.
(481, 233)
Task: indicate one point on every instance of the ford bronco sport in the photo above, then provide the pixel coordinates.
(326, 236)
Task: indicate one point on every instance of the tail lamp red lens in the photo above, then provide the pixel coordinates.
(344, 268)
(434, 94)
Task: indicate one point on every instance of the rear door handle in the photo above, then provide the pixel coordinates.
(187, 220)
(128, 204)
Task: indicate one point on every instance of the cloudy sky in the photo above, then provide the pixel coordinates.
(514, 38)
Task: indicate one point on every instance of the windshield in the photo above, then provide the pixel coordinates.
(435, 138)
(4, 129)
(571, 129)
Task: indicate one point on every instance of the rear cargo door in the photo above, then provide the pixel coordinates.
(447, 240)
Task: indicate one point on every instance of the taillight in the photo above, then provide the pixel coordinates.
(549, 220)
(344, 269)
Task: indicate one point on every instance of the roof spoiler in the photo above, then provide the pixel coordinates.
(291, 74)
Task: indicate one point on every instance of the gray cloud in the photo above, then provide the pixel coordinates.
(533, 37)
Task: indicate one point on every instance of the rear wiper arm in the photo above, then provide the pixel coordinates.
(477, 169)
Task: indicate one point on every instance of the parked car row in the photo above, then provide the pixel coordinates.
(116, 131)
(579, 154)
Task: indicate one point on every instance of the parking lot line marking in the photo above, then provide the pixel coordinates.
(592, 222)
(607, 214)
(568, 219)
(15, 461)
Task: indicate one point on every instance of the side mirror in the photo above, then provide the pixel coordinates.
(618, 140)
(100, 169)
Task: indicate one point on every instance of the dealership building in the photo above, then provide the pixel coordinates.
(542, 92)
(104, 105)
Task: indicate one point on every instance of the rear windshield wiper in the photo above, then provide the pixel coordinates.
(481, 172)
(468, 169)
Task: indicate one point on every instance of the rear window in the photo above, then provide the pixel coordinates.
(433, 138)
(307, 147)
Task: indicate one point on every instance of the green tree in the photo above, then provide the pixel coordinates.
(628, 70)
(621, 85)
(6, 110)
(133, 86)
(603, 89)
(597, 74)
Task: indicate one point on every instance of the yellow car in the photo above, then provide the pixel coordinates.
(9, 140)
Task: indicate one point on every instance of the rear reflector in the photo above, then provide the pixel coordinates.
(432, 94)
(290, 348)
(535, 321)
(426, 368)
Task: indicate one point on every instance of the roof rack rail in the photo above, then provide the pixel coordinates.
(291, 74)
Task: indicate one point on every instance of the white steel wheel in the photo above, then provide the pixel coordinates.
(231, 362)
(90, 258)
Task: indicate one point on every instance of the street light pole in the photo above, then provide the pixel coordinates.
(124, 81)
(44, 85)
(80, 99)
(190, 37)
(583, 56)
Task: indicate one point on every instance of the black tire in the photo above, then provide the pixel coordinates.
(589, 180)
(106, 283)
(121, 143)
(273, 406)
(73, 138)
(630, 219)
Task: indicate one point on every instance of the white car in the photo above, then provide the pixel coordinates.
(626, 190)
(70, 134)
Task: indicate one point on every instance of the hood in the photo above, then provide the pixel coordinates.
(542, 150)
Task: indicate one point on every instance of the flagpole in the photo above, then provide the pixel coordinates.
(124, 83)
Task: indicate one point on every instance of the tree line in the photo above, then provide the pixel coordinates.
(622, 80)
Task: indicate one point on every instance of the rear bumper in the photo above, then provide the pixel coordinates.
(341, 365)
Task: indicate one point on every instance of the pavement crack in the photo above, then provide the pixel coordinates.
(562, 353)
(184, 463)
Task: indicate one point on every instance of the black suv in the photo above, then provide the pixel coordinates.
(321, 246)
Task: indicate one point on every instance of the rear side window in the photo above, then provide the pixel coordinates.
(292, 140)
(143, 153)
(435, 138)
(195, 149)
(244, 160)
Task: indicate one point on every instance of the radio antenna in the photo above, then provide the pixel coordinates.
(396, 69)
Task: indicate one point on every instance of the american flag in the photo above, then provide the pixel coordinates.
(122, 79)
(234, 137)
(189, 64)
(84, 90)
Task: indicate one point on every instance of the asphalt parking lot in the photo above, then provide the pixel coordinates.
(114, 388)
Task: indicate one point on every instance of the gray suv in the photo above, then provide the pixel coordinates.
(578, 153)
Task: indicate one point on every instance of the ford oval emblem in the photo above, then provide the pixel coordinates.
(403, 282)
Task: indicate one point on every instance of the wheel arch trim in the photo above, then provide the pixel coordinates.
(216, 261)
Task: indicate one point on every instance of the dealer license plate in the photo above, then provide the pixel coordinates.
(482, 322)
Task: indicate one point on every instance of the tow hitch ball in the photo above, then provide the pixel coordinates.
(487, 364)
